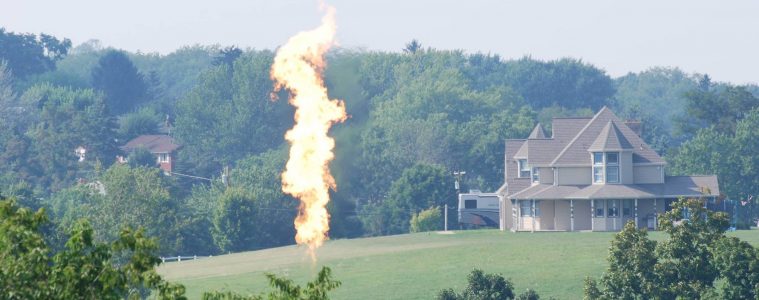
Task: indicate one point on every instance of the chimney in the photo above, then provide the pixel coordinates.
(636, 126)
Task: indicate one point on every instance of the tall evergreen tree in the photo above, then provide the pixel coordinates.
(123, 85)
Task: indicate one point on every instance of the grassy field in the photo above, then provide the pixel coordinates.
(416, 266)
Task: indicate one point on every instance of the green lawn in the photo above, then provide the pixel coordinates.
(416, 266)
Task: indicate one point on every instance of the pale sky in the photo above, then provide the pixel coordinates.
(720, 38)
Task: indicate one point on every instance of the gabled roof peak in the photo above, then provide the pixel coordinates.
(610, 138)
(538, 133)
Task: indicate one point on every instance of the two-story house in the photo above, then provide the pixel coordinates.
(592, 173)
(162, 146)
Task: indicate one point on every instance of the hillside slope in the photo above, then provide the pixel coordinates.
(415, 266)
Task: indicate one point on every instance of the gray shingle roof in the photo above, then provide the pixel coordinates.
(673, 186)
(564, 129)
(576, 151)
(610, 139)
(513, 183)
(542, 152)
(524, 151)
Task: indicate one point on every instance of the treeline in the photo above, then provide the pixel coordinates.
(415, 116)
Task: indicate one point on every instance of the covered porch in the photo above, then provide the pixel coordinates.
(586, 214)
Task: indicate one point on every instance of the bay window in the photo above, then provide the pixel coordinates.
(606, 167)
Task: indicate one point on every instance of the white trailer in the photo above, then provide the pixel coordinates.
(477, 209)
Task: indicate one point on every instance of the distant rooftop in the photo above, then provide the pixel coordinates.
(154, 143)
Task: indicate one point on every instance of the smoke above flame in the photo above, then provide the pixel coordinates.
(298, 68)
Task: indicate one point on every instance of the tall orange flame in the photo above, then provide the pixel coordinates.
(298, 67)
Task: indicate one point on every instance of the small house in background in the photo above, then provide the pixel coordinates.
(81, 152)
(162, 146)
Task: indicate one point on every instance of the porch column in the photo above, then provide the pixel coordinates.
(592, 215)
(636, 213)
(519, 216)
(571, 215)
(533, 215)
(514, 216)
(614, 220)
(656, 215)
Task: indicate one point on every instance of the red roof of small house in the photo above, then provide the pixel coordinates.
(154, 143)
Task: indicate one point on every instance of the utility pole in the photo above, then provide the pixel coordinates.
(445, 225)
(457, 177)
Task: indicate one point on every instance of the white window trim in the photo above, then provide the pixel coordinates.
(161, 156)
(520, 169)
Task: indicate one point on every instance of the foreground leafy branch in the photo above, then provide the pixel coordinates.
(286, 289)
(84, 269)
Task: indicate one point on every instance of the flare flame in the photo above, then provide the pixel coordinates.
(298, 68)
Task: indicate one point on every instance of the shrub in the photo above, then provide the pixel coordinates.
(426, 220)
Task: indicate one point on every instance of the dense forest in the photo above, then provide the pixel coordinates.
(416, 115)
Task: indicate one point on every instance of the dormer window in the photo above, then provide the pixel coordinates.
(535, 175)
(606, 167)
(524, 169)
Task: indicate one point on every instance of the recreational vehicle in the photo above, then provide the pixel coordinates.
(477, 209)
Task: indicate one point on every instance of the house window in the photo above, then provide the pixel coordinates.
(627, 207)
(470, 204)
(535, 175)
(613, 208)
(598, 158)
(598, 174)
(598, 206)
(605, 167)
(612, 158)
(163, 157)
(525, 208)
(612, 167)
(524, 169)
(598, 167)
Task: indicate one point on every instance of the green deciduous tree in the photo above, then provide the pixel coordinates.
(141, 157)
(481, 286)
(143, 121)
(721, 107)
(29, 54)
(125, 196)
(233, 221)
(566, 82)
(738, 264)
(419, 187)
(230, 115)
(631, 268)
(68, 118)
(686, 265)
(733, 157)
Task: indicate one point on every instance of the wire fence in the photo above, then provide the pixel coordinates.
(181, 258)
